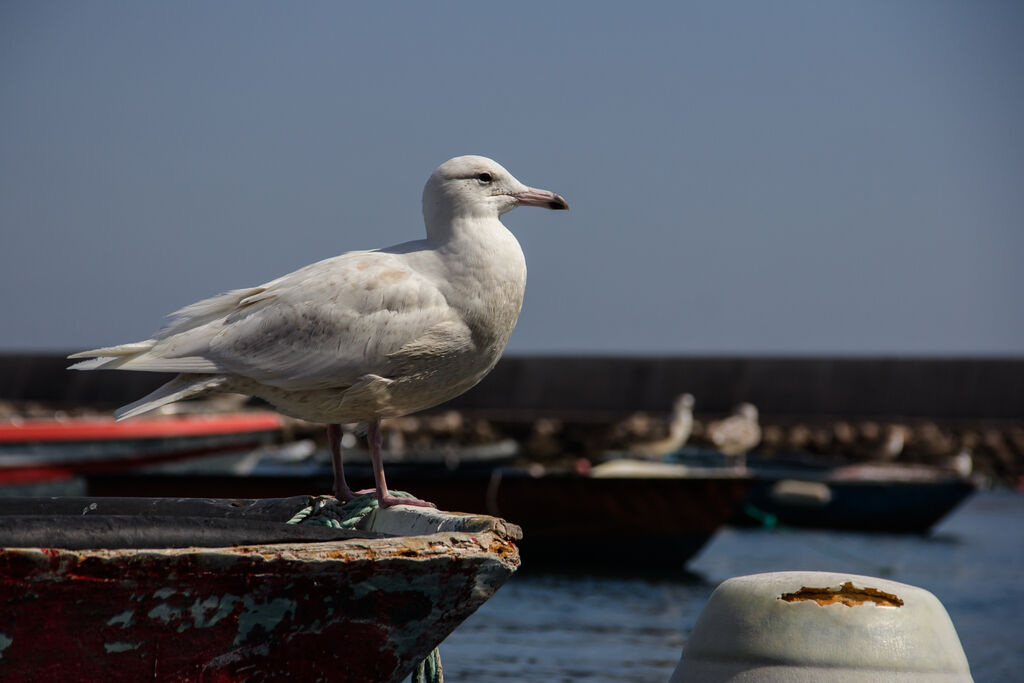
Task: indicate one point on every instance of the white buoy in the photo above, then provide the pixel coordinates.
(821, 627)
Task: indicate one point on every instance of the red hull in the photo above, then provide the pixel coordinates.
(33, 451)
(108, 429)
(363, 610)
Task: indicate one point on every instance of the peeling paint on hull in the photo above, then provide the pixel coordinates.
(355, 610)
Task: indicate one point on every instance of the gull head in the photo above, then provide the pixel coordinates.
(477, 187)
(683, 402)
(747, 410)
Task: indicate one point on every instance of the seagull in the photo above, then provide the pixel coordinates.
(679, 427)
(361, 336)
(736, 435)
(894, 442)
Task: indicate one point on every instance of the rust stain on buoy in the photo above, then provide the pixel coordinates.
(847, 594)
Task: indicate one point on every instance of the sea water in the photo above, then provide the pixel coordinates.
(546, 627)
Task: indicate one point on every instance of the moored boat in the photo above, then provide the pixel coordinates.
(570, 519)
(813, 493)
(39, 450)
(180, 589)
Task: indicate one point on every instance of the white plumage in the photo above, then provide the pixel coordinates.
(364, 335)
(679, 427)
(738, 433)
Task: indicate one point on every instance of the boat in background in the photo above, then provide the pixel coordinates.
(811, 492)
(572, 518)
(447, 455)
(55, 449)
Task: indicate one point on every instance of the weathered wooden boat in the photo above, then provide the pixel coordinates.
(570, 520)
(807, 492)
(218, 590)
(36, 450)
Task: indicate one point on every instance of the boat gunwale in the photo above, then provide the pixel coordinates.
(316, 556)
(107, 429)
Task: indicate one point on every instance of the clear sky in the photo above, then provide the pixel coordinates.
(745, 177)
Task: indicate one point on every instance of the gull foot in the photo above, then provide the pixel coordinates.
(345, 494)
(388, 500)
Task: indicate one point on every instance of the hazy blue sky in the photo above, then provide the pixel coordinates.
(783, 177)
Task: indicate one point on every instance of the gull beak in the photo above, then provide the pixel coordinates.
(542, 198)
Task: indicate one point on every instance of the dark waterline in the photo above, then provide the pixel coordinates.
(561, 628)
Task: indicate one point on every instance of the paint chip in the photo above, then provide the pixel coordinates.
(125, 619)
(121, 647)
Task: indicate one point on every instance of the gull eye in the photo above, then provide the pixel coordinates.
(485, 177)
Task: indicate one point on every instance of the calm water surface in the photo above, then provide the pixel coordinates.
(558, 628)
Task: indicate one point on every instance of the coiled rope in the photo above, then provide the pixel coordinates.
(329, 511)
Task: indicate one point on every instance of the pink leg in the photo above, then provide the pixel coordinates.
(341, 490)
(385, 499)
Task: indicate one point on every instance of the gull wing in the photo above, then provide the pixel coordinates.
(325, 325)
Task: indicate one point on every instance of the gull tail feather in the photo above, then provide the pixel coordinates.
(120, 350)
(181, 387)
(110, 356)
(144, 355)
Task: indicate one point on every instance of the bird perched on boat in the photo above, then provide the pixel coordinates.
(962, 463)
(361, 336)
(895, 441)
(737, 434)
(679, 427)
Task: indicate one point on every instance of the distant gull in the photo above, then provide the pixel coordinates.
(962, 463)
(736, 435)
(361, 336)
(679, 427)
(894, 442)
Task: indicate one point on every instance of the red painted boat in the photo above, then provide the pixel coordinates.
(223, 590)
(38, 450)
